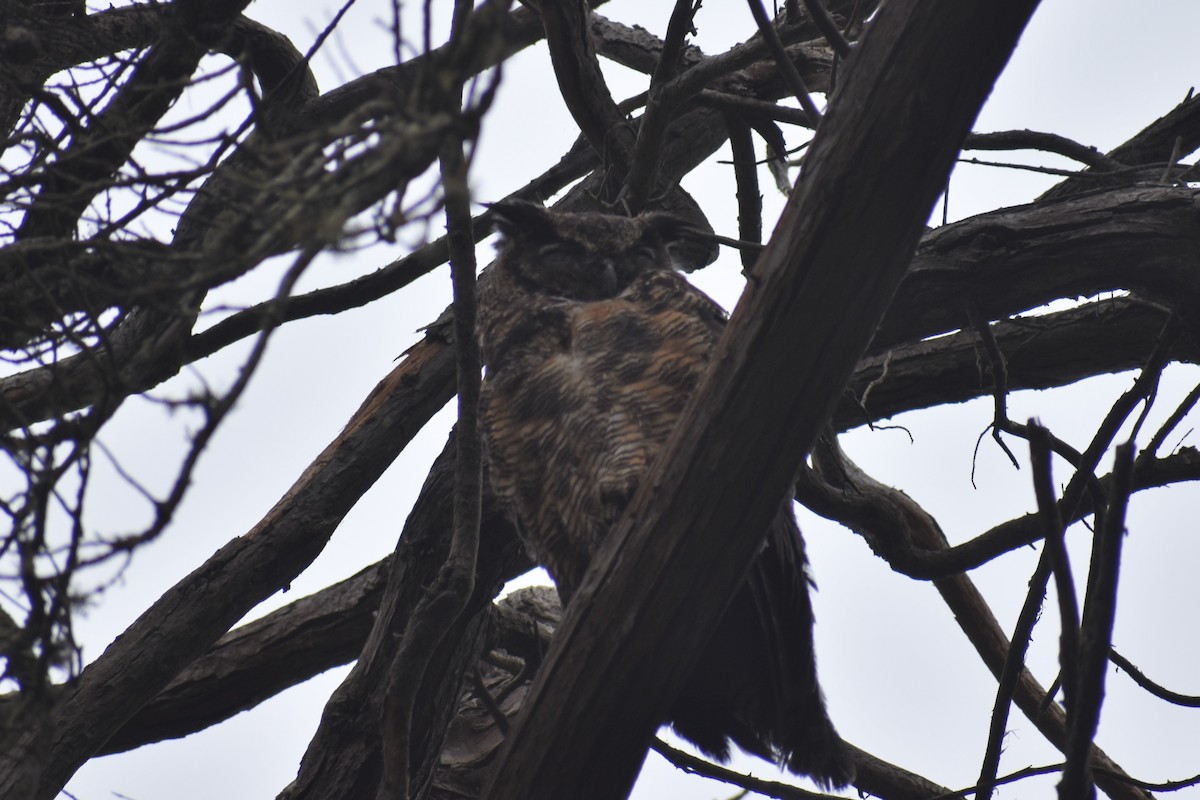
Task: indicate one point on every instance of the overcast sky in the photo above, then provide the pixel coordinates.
(902, 682)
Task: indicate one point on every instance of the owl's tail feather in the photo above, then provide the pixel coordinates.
(756, 683)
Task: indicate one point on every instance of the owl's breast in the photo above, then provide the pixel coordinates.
(580, 407)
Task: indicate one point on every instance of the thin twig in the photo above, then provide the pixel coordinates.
(1012, 777)
(445, 601)
(1156, 689)
(827, 27)
(215, 411)
(1165, 786)
(787, 69)
(777, 152)
(745, 175)
(752, 107)
(999, 382)
(1046, 142)
(1176, 417)
(1126, 174)
(1095, 641)
(1052, 524)
(1014, 665)
(698, 766)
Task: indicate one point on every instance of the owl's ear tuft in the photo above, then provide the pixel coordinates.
(669, 227)
(691, 245)
(521, 219)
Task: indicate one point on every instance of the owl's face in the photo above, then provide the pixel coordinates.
(583, 257)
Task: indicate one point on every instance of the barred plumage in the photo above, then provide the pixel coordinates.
(594, 344)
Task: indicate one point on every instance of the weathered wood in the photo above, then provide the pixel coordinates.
(343, 760)
(260, 659)
(1143, 238)
(1041, 352)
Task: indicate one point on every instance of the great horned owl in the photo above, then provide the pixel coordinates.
(593, 345)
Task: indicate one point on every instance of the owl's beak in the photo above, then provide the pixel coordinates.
(609, 279)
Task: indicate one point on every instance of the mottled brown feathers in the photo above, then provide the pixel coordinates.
(594, 344)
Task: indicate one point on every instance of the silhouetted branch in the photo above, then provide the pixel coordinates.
(1010, 674)
(787, 69)
(698, 766)
(1156, 689)
(1047, 142)
(1095, 638)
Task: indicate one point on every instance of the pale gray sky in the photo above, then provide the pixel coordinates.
(901, 680)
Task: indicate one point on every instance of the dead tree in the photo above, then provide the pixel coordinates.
(123, 214)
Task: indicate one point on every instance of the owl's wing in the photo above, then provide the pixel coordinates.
(577, 409)
(579, 402)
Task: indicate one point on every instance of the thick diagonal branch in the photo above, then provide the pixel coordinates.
(823, 288)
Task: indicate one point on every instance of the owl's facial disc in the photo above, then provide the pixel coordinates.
(585, 257)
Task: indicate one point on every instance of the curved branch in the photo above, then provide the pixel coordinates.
(1156, 689)
(893, 524)
(1048, 142)
(192, 615)
(909, 530)
(585, 91)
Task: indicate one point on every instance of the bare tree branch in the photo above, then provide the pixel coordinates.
(1099, 613)
(1158, 690)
